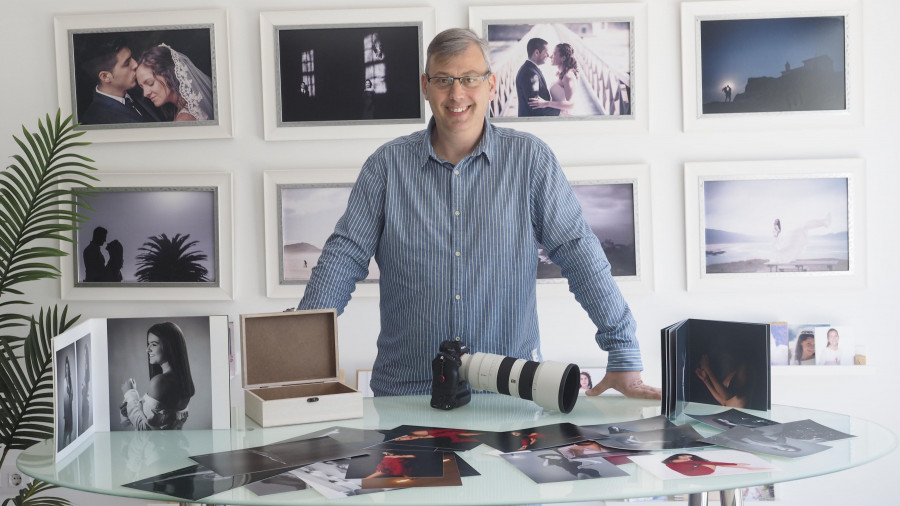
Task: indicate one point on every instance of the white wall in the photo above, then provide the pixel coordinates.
(29, 90)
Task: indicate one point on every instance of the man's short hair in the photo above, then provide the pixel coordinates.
(535, 44)
(99, 235)
(453, 42)
(99, 56)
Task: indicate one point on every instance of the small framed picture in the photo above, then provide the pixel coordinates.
(349, 73)
(302, 208)
(834, 346)
(145, 75)
(615, 200)
(775, 224)
(144, 241)
(769, 64)
(569, 68)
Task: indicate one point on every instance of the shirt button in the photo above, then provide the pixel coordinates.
(456, 213)
(457, 297)
(456, 172)
(457, 253)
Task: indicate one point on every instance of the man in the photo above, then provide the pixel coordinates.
(451, 214)
(94, 262)
(111, 68)
(530, 81)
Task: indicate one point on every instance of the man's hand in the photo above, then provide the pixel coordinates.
(627, 382)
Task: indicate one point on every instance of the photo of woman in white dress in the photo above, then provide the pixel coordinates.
(562, 92)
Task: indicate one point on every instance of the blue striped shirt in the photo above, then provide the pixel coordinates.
(456, 247)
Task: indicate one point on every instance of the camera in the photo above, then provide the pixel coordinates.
(552, 385)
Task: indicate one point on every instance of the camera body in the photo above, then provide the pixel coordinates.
(448, 390)
(552, 385)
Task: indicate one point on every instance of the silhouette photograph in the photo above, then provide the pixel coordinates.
(610, 212)
(145, 236)
(547, 71)
(360, 74)
(308, 214)
(772, 64)
(776, 225)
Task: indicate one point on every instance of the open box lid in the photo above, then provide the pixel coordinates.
(289, 348)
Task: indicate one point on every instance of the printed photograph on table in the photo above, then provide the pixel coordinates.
(142, 241)
(343, 73)
(771, 63)
(573, 62)
(775, 224)
(145, 75)
(549, 466)
(705, 463)
(615, 200)
(302, 208)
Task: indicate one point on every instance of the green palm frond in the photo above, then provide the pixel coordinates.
(26, 383)
(27, 495)
(34, 206)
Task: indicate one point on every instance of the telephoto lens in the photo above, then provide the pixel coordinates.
(551, 385)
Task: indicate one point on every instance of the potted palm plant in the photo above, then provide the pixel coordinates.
(35, 213)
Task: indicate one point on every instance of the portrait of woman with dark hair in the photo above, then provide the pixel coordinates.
(164, 405)
(171, 81)
(562, 92)
(805, 352)
(689, 464)
(68, 409)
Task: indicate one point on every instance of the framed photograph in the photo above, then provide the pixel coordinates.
(143, 76)
(349, 73)
(301, 209)
(141, 240)
(105, 368)
(775, 224)
(769, 64)
(616, 203)
(569, 68)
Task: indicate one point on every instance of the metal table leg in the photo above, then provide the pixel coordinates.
(698, 499)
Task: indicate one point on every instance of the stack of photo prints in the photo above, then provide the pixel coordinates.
(340, 461)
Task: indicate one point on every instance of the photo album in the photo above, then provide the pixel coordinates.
(715, 362)
(145, 373)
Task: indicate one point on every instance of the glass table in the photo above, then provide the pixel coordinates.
(109, 459)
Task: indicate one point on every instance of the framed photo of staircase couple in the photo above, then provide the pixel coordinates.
(567, 68)
(766, 65)
(152, 236)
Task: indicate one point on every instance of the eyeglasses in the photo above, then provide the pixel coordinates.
(446, 82)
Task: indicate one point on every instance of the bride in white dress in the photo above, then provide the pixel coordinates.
(175, 85)
(562, 92)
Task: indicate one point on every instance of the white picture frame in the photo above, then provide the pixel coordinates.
(275, 182)
(552, 21)
(641, 279)
(147, 28)
(740, 29)
(274, 110)
(215, 188)
(834, 223)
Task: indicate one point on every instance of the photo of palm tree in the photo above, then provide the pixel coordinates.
(146, 235)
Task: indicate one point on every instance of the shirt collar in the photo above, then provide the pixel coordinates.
(485, 145)
(121, 100)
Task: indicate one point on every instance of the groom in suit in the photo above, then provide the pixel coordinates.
(111, 67)
(530, 81)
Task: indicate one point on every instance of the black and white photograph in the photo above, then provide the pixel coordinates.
(549, 466)
(681, 436)
(136, 236)
(343, 73)
(328, 478)
(279, 484)
(160, 372)
(639, 425)
(308, 216)
(363, 73)
(145, 76)
(705, 463)
(765, 440)
(68, 396)
(805, 430)
(85, 413)
(610, 211)
(534, 438)
(732, 418)
(282, 455)
(196, 482)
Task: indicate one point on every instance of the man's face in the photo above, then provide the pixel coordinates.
(540, 56)
(459, 110)
(121, 77)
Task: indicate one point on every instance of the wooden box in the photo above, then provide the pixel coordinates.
(290, 369)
